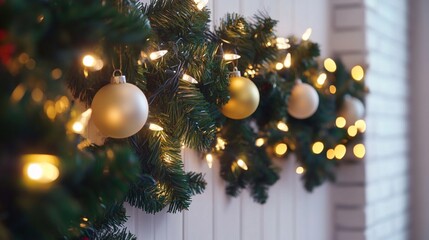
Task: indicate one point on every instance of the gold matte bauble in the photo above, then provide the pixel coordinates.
(352, 110)
(303, 100)
(119, 109)
(244, 98)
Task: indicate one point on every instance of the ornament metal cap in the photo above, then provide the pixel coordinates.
(235, 73)
(118, 79)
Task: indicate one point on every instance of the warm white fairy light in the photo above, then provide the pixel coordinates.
(321, 79)
(299, 170)
(330, 65)
(282, 43)
(359, 150)
(188, 78)
(357, 73)
(282, 126)
(41, 168)
(157, 54)
(209, 159)
(201, 3)
(82, 121)
(288, 60)
(352, 131)
(318, 147)
(220, 144)
(242, 164)
(340, 122)
(306, 35)
(280, 149)
(259, 142)
(92, 62)
(155, 127)
(279, 66)
(361, 125)
(340, 151)
(231, 56)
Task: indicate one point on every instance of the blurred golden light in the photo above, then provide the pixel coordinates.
(318, 147)
(288, 60)
(321, 79)
(300, 170)
(18, 93)
(157, 54)
(282, 126)
(231, 56)
(41, 168)
(332, 89)
(357, 73)
(209, 159)
(359, 150)
(330, 154)
(201, 3)
(352, 131)
(37, 95)
(340, 151)
(279, 66)
(88, 61)
(330, 65)
(306, 35)
(260, 142)
(340, 122)
(280, 149)
(361, 125)
(220, 144)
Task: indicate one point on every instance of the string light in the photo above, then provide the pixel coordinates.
(359, 150)
(231, 56)
(361, 125)
(340, 122)
(280, 149)
(201, 3)
(41, 168)
(37, 95)
(357, 73)
(352, 131)
(92, 62)
(332, 89)
(279, 66)
(80, 124)
(321, 79)
(330, 65)
(259, 142)
(282, 126)
(340, 151)
(288, 60)
(299, 170)
(17, 93)
(155, 127)
(330, 154)
(282, 43)
(306, 35)
(158, 54)
(242, 164)
(209, 159)
(318, 147)
(220, 144)
(188, 78)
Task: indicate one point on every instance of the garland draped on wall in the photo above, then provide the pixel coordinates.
(99, 97)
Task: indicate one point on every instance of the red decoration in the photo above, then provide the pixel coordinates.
(83, 238)
(6, 49)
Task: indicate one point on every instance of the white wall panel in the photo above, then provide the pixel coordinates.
(290, 213)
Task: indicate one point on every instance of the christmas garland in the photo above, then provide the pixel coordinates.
(65, 65)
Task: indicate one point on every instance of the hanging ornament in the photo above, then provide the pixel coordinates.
(119, 109)
(244, 97)
(303, 100)
(352, 110)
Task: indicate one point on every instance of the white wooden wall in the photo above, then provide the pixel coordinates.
(290, 213)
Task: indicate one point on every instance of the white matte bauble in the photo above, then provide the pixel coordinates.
(119, 109)
(303, 100)
(352, 110)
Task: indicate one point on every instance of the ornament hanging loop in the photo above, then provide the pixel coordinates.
(235, 73)
(118, 77)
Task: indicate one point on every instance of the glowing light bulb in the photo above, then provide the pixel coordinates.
(321, 79)
(340, 122)
(201, 3)
(77, 127)
(37, 95)
(242, 164)
(260, 142)
(279, 66)
(85, 219)
(231, 56)
(282, 126)
(209, 159)
(288, 60)
(158, 54)
(306, 35)
(282, 43)
(330, 65)
(330, 154)
(318, 147)
(340, 151)
(280, 149)
(359, 150)
(332, 89)
(18, 93)
(361, 125)
(220, 144)
(299, 170)
(155, 127)
(188, 78)
(357, 73)
(88, 61)
(352, 131)
(41, 168)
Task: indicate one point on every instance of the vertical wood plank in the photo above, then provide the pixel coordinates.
(131, 213)
(286, 200)
(222, 7)
(251, 217)
(270, 213)
(160, 225)
(144, 225)
(198, 221)
(226, 214)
